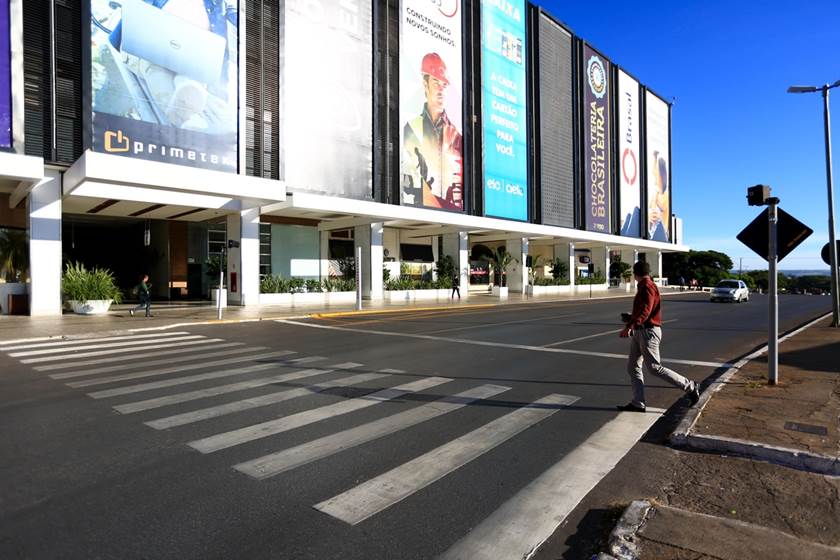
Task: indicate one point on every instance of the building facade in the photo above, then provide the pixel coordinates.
(284, 138)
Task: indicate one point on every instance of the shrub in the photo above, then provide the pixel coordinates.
(313, 286)
(80, 284)
(274, 284)
(335, 284)
(297, 285)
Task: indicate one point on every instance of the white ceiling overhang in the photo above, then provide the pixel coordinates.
(18, 175)
(339, 213)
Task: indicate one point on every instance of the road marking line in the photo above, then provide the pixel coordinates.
(256, 402)
(286, 423)
(122, 367)
(401, 310)
(294, 457)
(497, 344)
(70, 352)
(63, 342)
(526, 521)
(148, 404)
(136, 350)
(115, 359)
(164, 371)
(382, 492)
(614, 331)
(482, 325)
(179, 381)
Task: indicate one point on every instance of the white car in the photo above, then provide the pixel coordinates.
(730, 290)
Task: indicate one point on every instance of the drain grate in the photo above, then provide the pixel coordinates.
(807, 428)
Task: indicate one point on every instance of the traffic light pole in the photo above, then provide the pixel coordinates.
(773, 289)
(832, 243)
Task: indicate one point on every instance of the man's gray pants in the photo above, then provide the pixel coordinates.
(644, 350)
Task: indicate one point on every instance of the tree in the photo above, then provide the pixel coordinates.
(759, 279)
(537, 261)
(708, 267)
(559, 268)
(500, 259)
(14, 256)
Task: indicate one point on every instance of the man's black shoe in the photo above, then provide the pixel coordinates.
(694, 394)
(630, 407)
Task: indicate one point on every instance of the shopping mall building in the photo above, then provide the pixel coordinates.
(144, 135)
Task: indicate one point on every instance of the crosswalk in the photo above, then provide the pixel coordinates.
(177, 380)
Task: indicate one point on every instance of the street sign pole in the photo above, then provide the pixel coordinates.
(835, 287)
(773, 281)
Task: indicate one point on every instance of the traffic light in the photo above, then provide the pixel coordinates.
(758, 195)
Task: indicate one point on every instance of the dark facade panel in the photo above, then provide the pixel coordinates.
(556, 157)
(262, 89)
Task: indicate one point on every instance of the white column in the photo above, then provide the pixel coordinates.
(369, 238)
(606, 265)
(517, 272)
(456, 245)
(599, 257)
(435, 255)
(572, 266)
(656, 265)
(249, 257)
(233, 257)
(325, 255)
(44, 223)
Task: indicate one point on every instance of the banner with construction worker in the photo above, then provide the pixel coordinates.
(431, 120)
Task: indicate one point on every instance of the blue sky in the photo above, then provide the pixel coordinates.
(727, 66)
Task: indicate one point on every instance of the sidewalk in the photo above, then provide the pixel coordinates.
(14, 327)
(766, 482)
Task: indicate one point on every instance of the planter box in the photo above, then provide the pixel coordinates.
(417, 295)
(308, 298)
(584, 288)
(91, 306)
(10, 289)
(500, 292)
(549, 290)
(214, 296)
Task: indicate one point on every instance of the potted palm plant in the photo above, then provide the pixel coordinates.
(89, 292)
(537, 262)
(14, 265)
(500, 259)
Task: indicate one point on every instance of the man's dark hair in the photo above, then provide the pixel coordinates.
(641, 268)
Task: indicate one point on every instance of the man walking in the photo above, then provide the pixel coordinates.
(143, 290)
(645, 332)
(456, 285)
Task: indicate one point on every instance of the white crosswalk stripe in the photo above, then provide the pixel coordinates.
(69, 351)
(165, 371)
(279, 425)
(373, 496)
(256, 402)
(168, 400)
(78, 341)
(281, 461)
(82, 373)
(173, 382)
(137, 351)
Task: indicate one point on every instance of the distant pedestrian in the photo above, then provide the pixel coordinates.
(694, 284)
(682, 284)
(145, 296)
(645, 332)
(456, 285)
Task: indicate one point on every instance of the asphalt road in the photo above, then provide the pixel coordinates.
(263, 456)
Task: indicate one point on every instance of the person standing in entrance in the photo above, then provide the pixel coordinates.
(456, 285)
(145, 296)
(645, 332)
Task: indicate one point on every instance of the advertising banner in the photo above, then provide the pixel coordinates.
(5, 78)
(327, 61)
(165, 82)
(596, 141)
(431, 85)
(504, 109)
(658, 144)
(629, 164)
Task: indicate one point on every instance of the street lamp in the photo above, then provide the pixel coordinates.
(835, 292)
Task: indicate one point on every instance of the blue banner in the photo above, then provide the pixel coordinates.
(5, 78)
(504, 109)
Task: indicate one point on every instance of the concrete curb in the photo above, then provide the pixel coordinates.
(622, 544)
(683, 436)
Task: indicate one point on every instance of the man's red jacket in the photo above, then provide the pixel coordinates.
(647, 306)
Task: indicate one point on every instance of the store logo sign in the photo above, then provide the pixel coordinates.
(116, 141)
(597, 76)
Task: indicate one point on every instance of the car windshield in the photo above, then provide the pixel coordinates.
(728, 284)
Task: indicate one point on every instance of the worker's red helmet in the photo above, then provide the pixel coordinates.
(433, 66)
